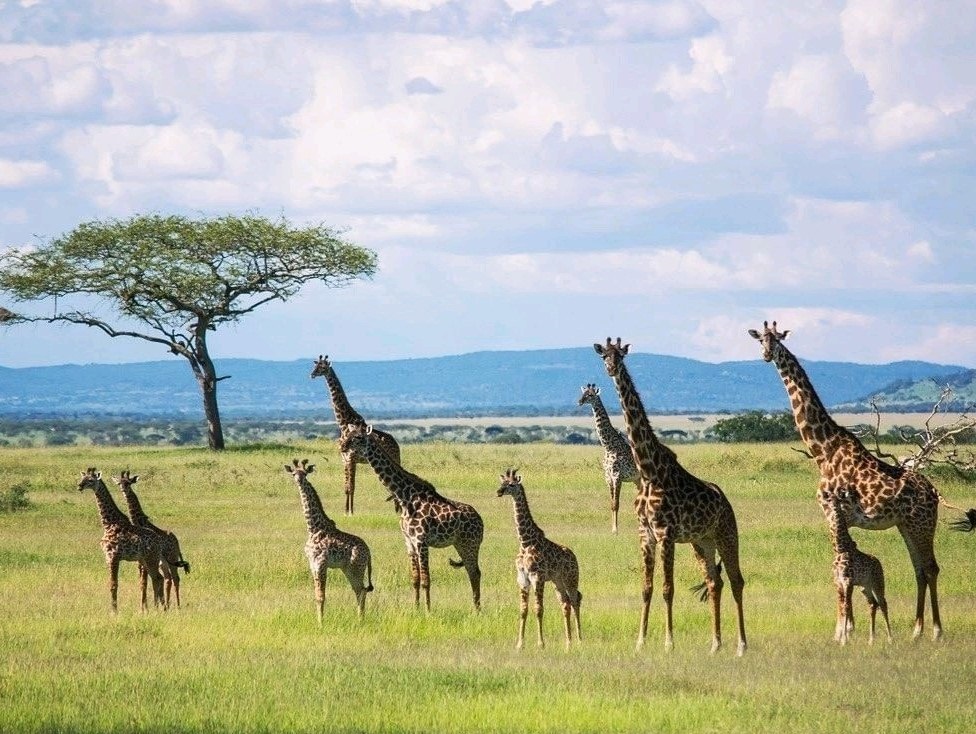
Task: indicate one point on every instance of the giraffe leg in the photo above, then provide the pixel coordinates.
(920, 550)
(113, 582)
(577, 597)
(415, 577)
(469, 559)
(157, 582)
(667, 591)
(648, 550)
(713, 584)
(354, 574)
(540, 587)
(840, 627)
(883, 604)
(175, 582)
(873, 607)
(320, 577)
(143, 578)
(728, 551)
(349, 465)
(614, 486)
(524, 586)
(424, 563)
(168, 582)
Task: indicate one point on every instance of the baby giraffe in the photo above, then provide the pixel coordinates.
(853, 567)
(540, 560)
(328, 547)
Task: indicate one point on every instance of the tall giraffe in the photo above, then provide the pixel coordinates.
(347, 416)
(540, 560)
(674, 506)
(427, 518)
(853, 567)
(123, 541)
(884, 496)
(171, 557)
(328, 547)
(618, 459)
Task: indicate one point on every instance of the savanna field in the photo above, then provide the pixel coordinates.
(245, 654)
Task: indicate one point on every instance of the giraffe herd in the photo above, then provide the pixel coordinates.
(856, 489)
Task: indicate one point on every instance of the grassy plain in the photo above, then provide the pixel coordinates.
(244, 654)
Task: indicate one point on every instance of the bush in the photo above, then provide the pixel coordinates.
(756, 426)
(14, 498)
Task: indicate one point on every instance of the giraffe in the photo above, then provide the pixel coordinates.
(618, 459)
(171, 557)
(540, 560)
(674, 506)
(427, 518)
(853, 567)
(346, 416)
(328, 547)
(883, 495)
(123, 541)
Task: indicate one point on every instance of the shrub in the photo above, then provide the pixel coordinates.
(756, 426)
(14, 498)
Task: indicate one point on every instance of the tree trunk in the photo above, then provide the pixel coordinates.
(206, 373)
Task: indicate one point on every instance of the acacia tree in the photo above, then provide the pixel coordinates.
(171, 280)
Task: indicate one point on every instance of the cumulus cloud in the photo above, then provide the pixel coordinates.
(25, 173)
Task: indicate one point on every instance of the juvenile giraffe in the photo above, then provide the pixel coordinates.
(883, 495)
(328, 547)
(171, 557)
(427, 518)
(618, 459)
(540, 560)
(347, 416)
(853, 567)
(674, 506)
(123, 541)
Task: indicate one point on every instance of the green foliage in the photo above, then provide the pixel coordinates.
(15, 498)
(756, 426)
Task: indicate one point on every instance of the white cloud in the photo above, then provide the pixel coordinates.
(908, 124)
(24, 173)
(710, 64)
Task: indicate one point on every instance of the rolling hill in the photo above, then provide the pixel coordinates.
(533, 382)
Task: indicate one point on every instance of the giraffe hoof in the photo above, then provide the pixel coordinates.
(740, 650)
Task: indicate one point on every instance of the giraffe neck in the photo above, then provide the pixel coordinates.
(812, 419)
(345, 414)
(842, 540)
(401, 484)
(655, 461)
(315, 517)
(108, 511)
(136, 514)
(604, 428)
(528, 532)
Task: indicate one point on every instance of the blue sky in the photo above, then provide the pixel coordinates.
(531, 174)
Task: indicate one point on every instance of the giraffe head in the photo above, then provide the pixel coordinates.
(591, 394)
(322, 367)
(125, 480)
(89, 479)
(511, 484)
(300, 470)
(613, 355)
(770, 339)
(355, 438)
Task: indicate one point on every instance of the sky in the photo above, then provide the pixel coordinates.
(530, 174)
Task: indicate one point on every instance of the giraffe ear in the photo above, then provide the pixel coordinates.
(287, 468)
(784, 335)
(310, 468)
(754, 334)
(134, 478)
(598, 348)
(369, 429)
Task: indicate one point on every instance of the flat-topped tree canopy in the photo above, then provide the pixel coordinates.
(171, 279)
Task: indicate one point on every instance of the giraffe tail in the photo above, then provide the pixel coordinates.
(185, 565)
(702, 588)
(369, 575)
(965, 524)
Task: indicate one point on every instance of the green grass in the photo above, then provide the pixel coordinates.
(244, 654)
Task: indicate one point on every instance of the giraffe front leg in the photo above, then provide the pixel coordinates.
(840, 626)
(540, 587)
(614, 486)
(113, 582)
(524, 587)
(424, 563)
(143, 579)
(648, 550)
(667, 591)
(318, 578)
(415, 576)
